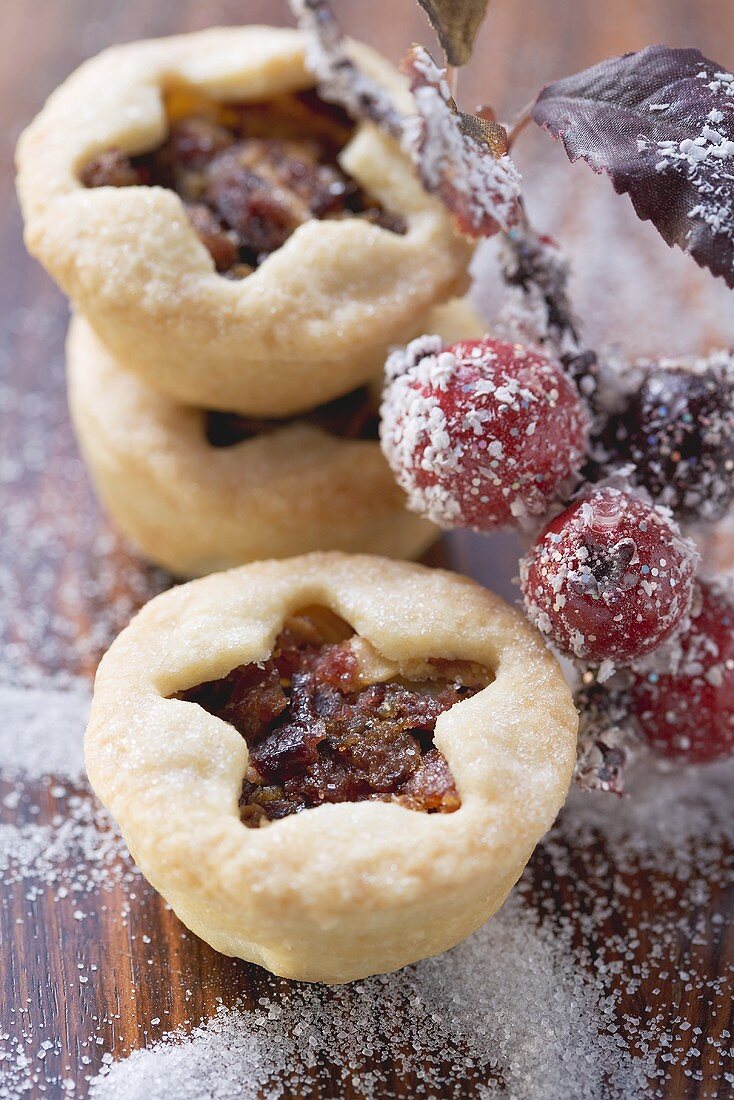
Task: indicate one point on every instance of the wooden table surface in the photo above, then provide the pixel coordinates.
(67, 583)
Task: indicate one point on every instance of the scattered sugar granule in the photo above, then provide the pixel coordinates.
(507, 1008)
(41, 740)
(41, 732)
(527, 1008)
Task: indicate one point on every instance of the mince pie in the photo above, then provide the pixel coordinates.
(199, 491)
(333, 765)
(234, 240)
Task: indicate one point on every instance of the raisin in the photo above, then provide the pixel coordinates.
(110, 169)
(250, 175)
(219, 242)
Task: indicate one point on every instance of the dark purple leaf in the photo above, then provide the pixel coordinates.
(661, 124)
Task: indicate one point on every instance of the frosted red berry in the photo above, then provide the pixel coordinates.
(480, 434)
(610, 578)
(688, 713)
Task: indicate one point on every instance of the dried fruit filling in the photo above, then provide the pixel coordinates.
(248, 174)
(353, 416)
(319, 732)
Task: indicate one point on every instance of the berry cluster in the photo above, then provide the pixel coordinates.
(486, 434)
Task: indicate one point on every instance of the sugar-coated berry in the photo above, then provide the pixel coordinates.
(610, 578)
(678, 430)
(688, 713)
(480, 434)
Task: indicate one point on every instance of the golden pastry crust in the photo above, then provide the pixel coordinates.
(312, 322)
(194, 508)
(347, 889)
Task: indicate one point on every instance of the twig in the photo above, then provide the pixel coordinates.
(521, 120)
(340, 79)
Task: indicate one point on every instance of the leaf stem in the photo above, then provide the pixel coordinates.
(519, 123)
(452, 76)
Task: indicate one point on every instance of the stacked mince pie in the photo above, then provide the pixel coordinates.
(240, 254)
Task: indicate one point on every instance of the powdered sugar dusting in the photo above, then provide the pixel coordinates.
(521, 1009)
(41, 731)
(79, 852)
(340, 79)
(68, 583)
(537, 309)
(56, 844)
(41, 745)
(706, 159)
(499, 1001)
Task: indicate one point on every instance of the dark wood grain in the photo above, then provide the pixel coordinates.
(70, 583)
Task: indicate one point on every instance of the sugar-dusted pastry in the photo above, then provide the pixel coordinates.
(233, 239)
(334, 765)
(199, 491)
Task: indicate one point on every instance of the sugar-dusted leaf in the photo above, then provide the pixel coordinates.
(340, 79)
(456, 23)
(457, 160)
(661, 124)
